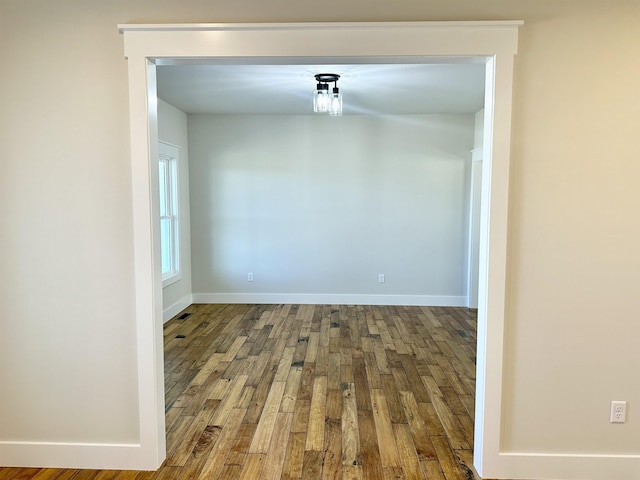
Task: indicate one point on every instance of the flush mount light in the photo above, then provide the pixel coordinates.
(323, 101)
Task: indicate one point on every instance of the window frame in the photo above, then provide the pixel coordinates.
(168, 161)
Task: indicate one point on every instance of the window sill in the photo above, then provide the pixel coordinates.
(171, 279)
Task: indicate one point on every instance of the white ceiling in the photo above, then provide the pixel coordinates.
(367, 88)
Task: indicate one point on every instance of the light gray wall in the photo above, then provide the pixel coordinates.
(322, 205)
(172, 128)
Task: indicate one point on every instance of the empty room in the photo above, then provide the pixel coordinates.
(323, 228)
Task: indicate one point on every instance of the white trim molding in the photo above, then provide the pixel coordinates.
(570, 466)
(331, 299)
(172, 310)
(208, 27)
(71, 455)
(493, 43)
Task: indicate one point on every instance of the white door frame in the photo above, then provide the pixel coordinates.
(492, 42)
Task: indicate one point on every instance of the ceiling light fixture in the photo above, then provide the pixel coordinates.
(323, 101)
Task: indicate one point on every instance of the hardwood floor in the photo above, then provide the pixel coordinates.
(313, 391)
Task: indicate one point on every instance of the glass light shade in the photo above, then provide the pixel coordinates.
(321, 98)
(335, 105)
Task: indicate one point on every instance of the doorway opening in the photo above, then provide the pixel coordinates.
(490, 42)
(268, 191)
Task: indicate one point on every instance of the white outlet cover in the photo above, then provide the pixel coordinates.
(618, 411)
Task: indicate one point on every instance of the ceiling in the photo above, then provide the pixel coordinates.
(368, 88)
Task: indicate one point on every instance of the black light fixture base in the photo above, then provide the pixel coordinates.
(327, 77)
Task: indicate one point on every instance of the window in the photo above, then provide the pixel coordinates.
(169, 233)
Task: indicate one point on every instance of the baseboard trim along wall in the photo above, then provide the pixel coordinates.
(332, 299)
(71, 455)
(176, 308)
(569, 466)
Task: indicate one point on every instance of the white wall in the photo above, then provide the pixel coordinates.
(322, 205)
(574, 269)
(67, 332)
(67, 329)
(172, 128)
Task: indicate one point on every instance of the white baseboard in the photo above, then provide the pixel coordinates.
(331, 299)
(72, 455)
(565, 466)
(176, 308)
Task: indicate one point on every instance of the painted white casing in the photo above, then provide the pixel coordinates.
(492, 42)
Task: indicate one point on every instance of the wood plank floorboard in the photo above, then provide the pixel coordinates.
(312, 391)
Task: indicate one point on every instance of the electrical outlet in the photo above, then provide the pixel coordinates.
(618, 411)
(381, 278)
(249, 277)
